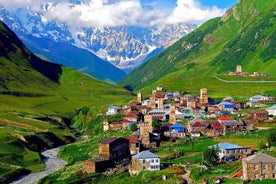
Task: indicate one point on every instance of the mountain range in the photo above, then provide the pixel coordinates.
(126, 47)
(245, 35)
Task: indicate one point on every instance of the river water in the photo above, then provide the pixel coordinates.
(52, 164)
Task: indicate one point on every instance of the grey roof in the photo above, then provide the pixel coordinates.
(226, 146)
(272, 107)
(260, 158)
(145, 155)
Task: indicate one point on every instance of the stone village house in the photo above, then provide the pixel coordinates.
(111, 151)
(144, 161)
(259, 166)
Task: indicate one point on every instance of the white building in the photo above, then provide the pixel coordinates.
(113, 110)
(271, 110)
(144, 161)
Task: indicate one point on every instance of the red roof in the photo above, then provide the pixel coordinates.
(198, 124)
(109, 140)
(126, 121)
(131, 115)
(216, 125)
(159, 96)
(131, 139)
(195, 131)
(167, 124)
(133, 104)
(225, 118)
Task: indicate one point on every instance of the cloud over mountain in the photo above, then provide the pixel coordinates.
(97, 13)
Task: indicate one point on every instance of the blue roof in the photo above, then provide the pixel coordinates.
(225, 145)
(177, 126)
(114, 107)
(225, 103)
(145, 155)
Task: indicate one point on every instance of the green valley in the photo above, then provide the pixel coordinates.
(37, 102)
(245, 36)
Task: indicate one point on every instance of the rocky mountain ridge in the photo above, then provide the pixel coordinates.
(126, 47)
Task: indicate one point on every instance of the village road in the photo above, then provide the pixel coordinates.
(52, 164)
(241, 81)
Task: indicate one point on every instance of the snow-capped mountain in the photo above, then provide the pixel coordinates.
(124, 46)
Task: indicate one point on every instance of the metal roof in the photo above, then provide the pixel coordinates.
(226, 146)
(272, 107)
(145, 155)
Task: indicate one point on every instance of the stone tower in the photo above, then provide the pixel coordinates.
(172, 114)
(148, 119)
(105, 125)
(139, 97)
(239, 68)
(160, 102)
(203, 96)
(145, 130)
(152, 102)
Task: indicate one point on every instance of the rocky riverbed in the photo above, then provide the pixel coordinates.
(52, 164)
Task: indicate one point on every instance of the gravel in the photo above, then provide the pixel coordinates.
(52, 164)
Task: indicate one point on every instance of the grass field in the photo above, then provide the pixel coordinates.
(27, 116)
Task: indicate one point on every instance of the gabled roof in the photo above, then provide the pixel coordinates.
(225, 118)
(145, 155)
(159, 96)
(156, 111)
(114, 107)
(126, 121)
(131, 115)
(226, 146)
(263, 158)
(272, 107)
(198, 124)
(216, 125)
(132, 139)
(177, 126)
(258, 96)
(109, 140)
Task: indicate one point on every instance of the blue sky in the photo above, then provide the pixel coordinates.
(171, 3)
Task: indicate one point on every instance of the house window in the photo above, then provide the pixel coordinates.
(156, 160)
(265, 175)
(144, 161)
(144, 167)
(273, 175)
(256, 167)
(152, 160)
(265, 167)
(274, 166)
(256, 176)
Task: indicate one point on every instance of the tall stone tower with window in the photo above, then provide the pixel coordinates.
(145, 130)
(203, 96)
(239, 68)
(139, 97)
(172, 114)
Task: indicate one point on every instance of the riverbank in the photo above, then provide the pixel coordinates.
(52, 164)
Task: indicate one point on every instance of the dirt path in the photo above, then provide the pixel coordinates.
(52, 164)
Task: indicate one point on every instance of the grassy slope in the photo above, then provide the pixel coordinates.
(31, 89)
(245, 35)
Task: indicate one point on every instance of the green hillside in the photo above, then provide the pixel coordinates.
(37, 100)
(244, 35)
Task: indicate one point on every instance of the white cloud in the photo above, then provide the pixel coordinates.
(192, 11)
(96, 13)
